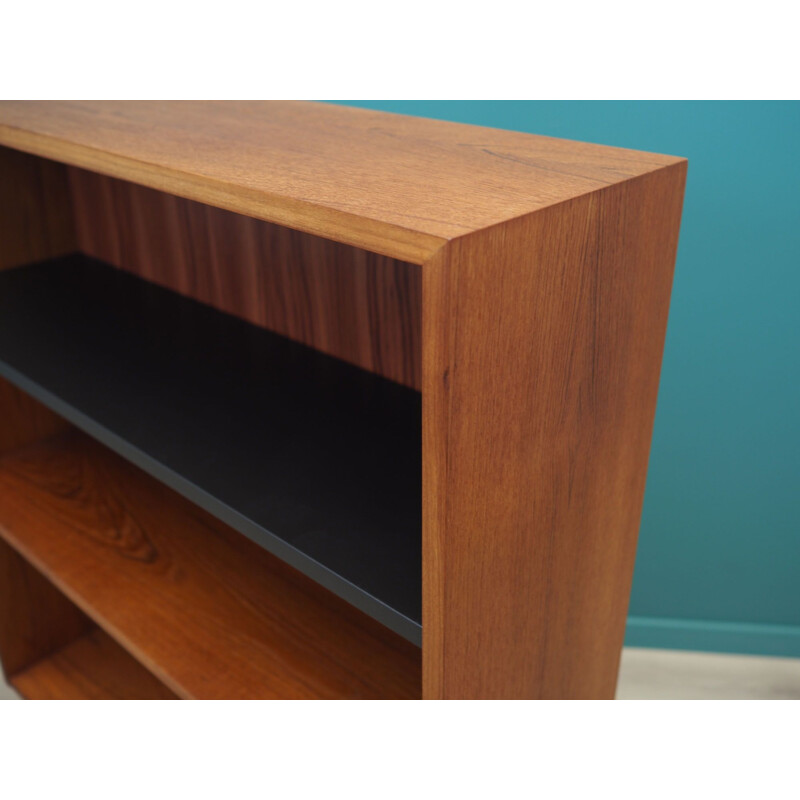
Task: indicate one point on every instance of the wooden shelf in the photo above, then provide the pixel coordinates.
(396, 185)
(93, 667)
(314, 459)
(206, 611)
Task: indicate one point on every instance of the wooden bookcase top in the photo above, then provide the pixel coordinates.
(396, 185)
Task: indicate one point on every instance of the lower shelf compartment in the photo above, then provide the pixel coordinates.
(93, 667)
(315, 460)
(187, 605)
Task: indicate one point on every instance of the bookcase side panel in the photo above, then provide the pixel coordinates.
(542, 344)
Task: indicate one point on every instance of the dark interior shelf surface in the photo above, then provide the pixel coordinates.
(314, 459)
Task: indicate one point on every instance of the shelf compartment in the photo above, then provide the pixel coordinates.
(93, 667)
(209, 613)
(315, 460)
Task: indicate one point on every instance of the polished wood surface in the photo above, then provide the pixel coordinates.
(35, 210)
(93, 667)
(35, 618)
(542, 343)
(399, 186)
(206, 611)
(545, 276)
(349, 303)
(23, 420)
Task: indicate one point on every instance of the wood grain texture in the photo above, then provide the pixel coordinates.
(93, 667)
(23, 420)
(35, 618)
(542, 343)
(35, 211)
(395, 185)
(347, 302)
(546, 272)
(206, 611)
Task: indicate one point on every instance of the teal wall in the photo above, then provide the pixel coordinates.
(719, 554)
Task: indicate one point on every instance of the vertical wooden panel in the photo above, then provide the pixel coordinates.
(542, 348)
(35, 211)
(347, 302)
(23, 420)
(35, 223)
(35, 618)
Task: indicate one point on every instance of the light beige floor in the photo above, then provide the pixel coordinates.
(676, 675)
(6, 692)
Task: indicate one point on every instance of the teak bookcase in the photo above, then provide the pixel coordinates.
(304, 401)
